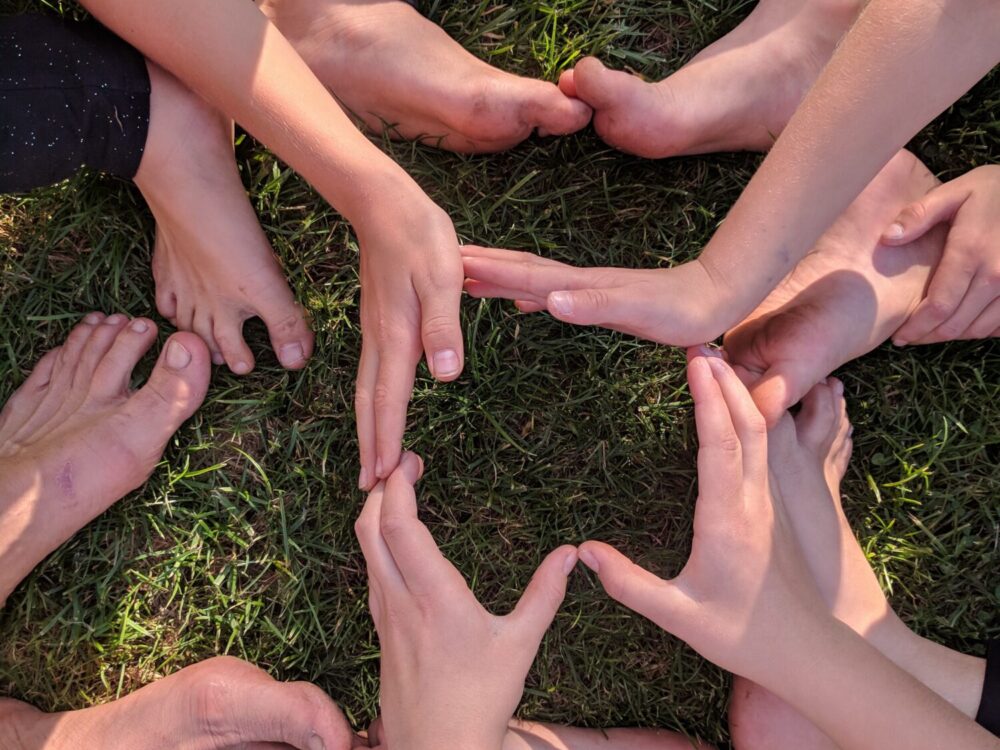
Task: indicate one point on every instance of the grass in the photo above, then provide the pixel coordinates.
(242, 541)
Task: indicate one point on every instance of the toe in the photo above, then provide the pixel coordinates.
(291, 336)
(100, 341)
(552, 112)
(596, 85)
(113, 374)
(166, 301)
(175, 390)
(567, 83)
(203, 324)
(815, 421)
(26, 399)
(229, 336)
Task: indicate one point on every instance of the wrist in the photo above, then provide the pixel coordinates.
(379, 195)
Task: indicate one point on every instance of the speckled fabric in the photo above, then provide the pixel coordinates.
(71, 95)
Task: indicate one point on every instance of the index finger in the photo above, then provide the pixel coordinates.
(525, 278)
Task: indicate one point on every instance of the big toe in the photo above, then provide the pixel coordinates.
(816, 423)
(599, 86)
(554, 113)
(292, 338)
(174, 391)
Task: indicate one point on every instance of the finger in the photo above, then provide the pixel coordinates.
(364, 411)
(985, 325)
(483, 290)
(544, 595)
(982, 291)
(751, 429)
(424, 569)
(720, 457)
(397, 364)
(596, 307)
(441, 331)
(635, 587)
(530, 280)
(498, 253)
(949, 286)
(527, 306)
(938, 205)
(382, 567)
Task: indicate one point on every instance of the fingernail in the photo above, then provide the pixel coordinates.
(140, 326)
(717, 365)
(177, 356)
(445, 363)
(561, 302)
(363, 479)
(241, 368)
(316, 743)
(291, 354)
(899, 342)
(378, 469)
(113, 320)
(569, 563)
(709, 351)
(894, 232)
(218, 359)
(92, 319)
(589, 559)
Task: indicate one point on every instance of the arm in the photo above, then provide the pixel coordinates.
(411, 270)
(894, 71)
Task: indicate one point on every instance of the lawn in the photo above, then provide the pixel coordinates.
(242, 541)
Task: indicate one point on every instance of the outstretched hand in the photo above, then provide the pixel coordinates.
(963, 299)
(745, 587)
(411, 287)
(677, 306)
(452, 673)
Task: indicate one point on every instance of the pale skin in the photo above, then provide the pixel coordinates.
(74, 438)
(410, 265)
(907, 77)
(746, 600)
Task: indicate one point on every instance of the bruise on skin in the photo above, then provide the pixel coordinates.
(64, 479)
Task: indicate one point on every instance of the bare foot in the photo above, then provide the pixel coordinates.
(74, 438)
(392, 67)
(218, 704)
(847, 296)
(533, 735)
(808, 457)
(213, 266)
(735, 95)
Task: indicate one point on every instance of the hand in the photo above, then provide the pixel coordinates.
(411, 287)
(963, 299)
(677, 306)
(745, 590)
(452, 673)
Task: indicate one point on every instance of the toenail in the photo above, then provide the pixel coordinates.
(589, 559)
(894, 232)
(378, 469)
(316, 743)
(291, 354)
(363, 479)
(92, 319)
(561, 302)
(140, 326)
(838, 387)
(241, 368)
(217, 359)
(445, 363)
(177, 356)
(708, 351)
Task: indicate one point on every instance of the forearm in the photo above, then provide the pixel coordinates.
(229, 53)
(858, 697)
(895, 70)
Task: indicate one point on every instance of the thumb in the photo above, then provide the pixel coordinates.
(544, 594)
(635, 587)
(591, 307)
(914, 221)
(441, 331)
(298, 714)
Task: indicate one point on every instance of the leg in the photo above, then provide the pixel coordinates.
(735, 95)
(392, 67)
(74, 438)
(214, 705)
(808, 458)
(845, 298)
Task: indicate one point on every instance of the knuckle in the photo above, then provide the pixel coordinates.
(363, 399)
(439, 326)
(382, 397)
(394, 527)
(939, 307)
(729, 444)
